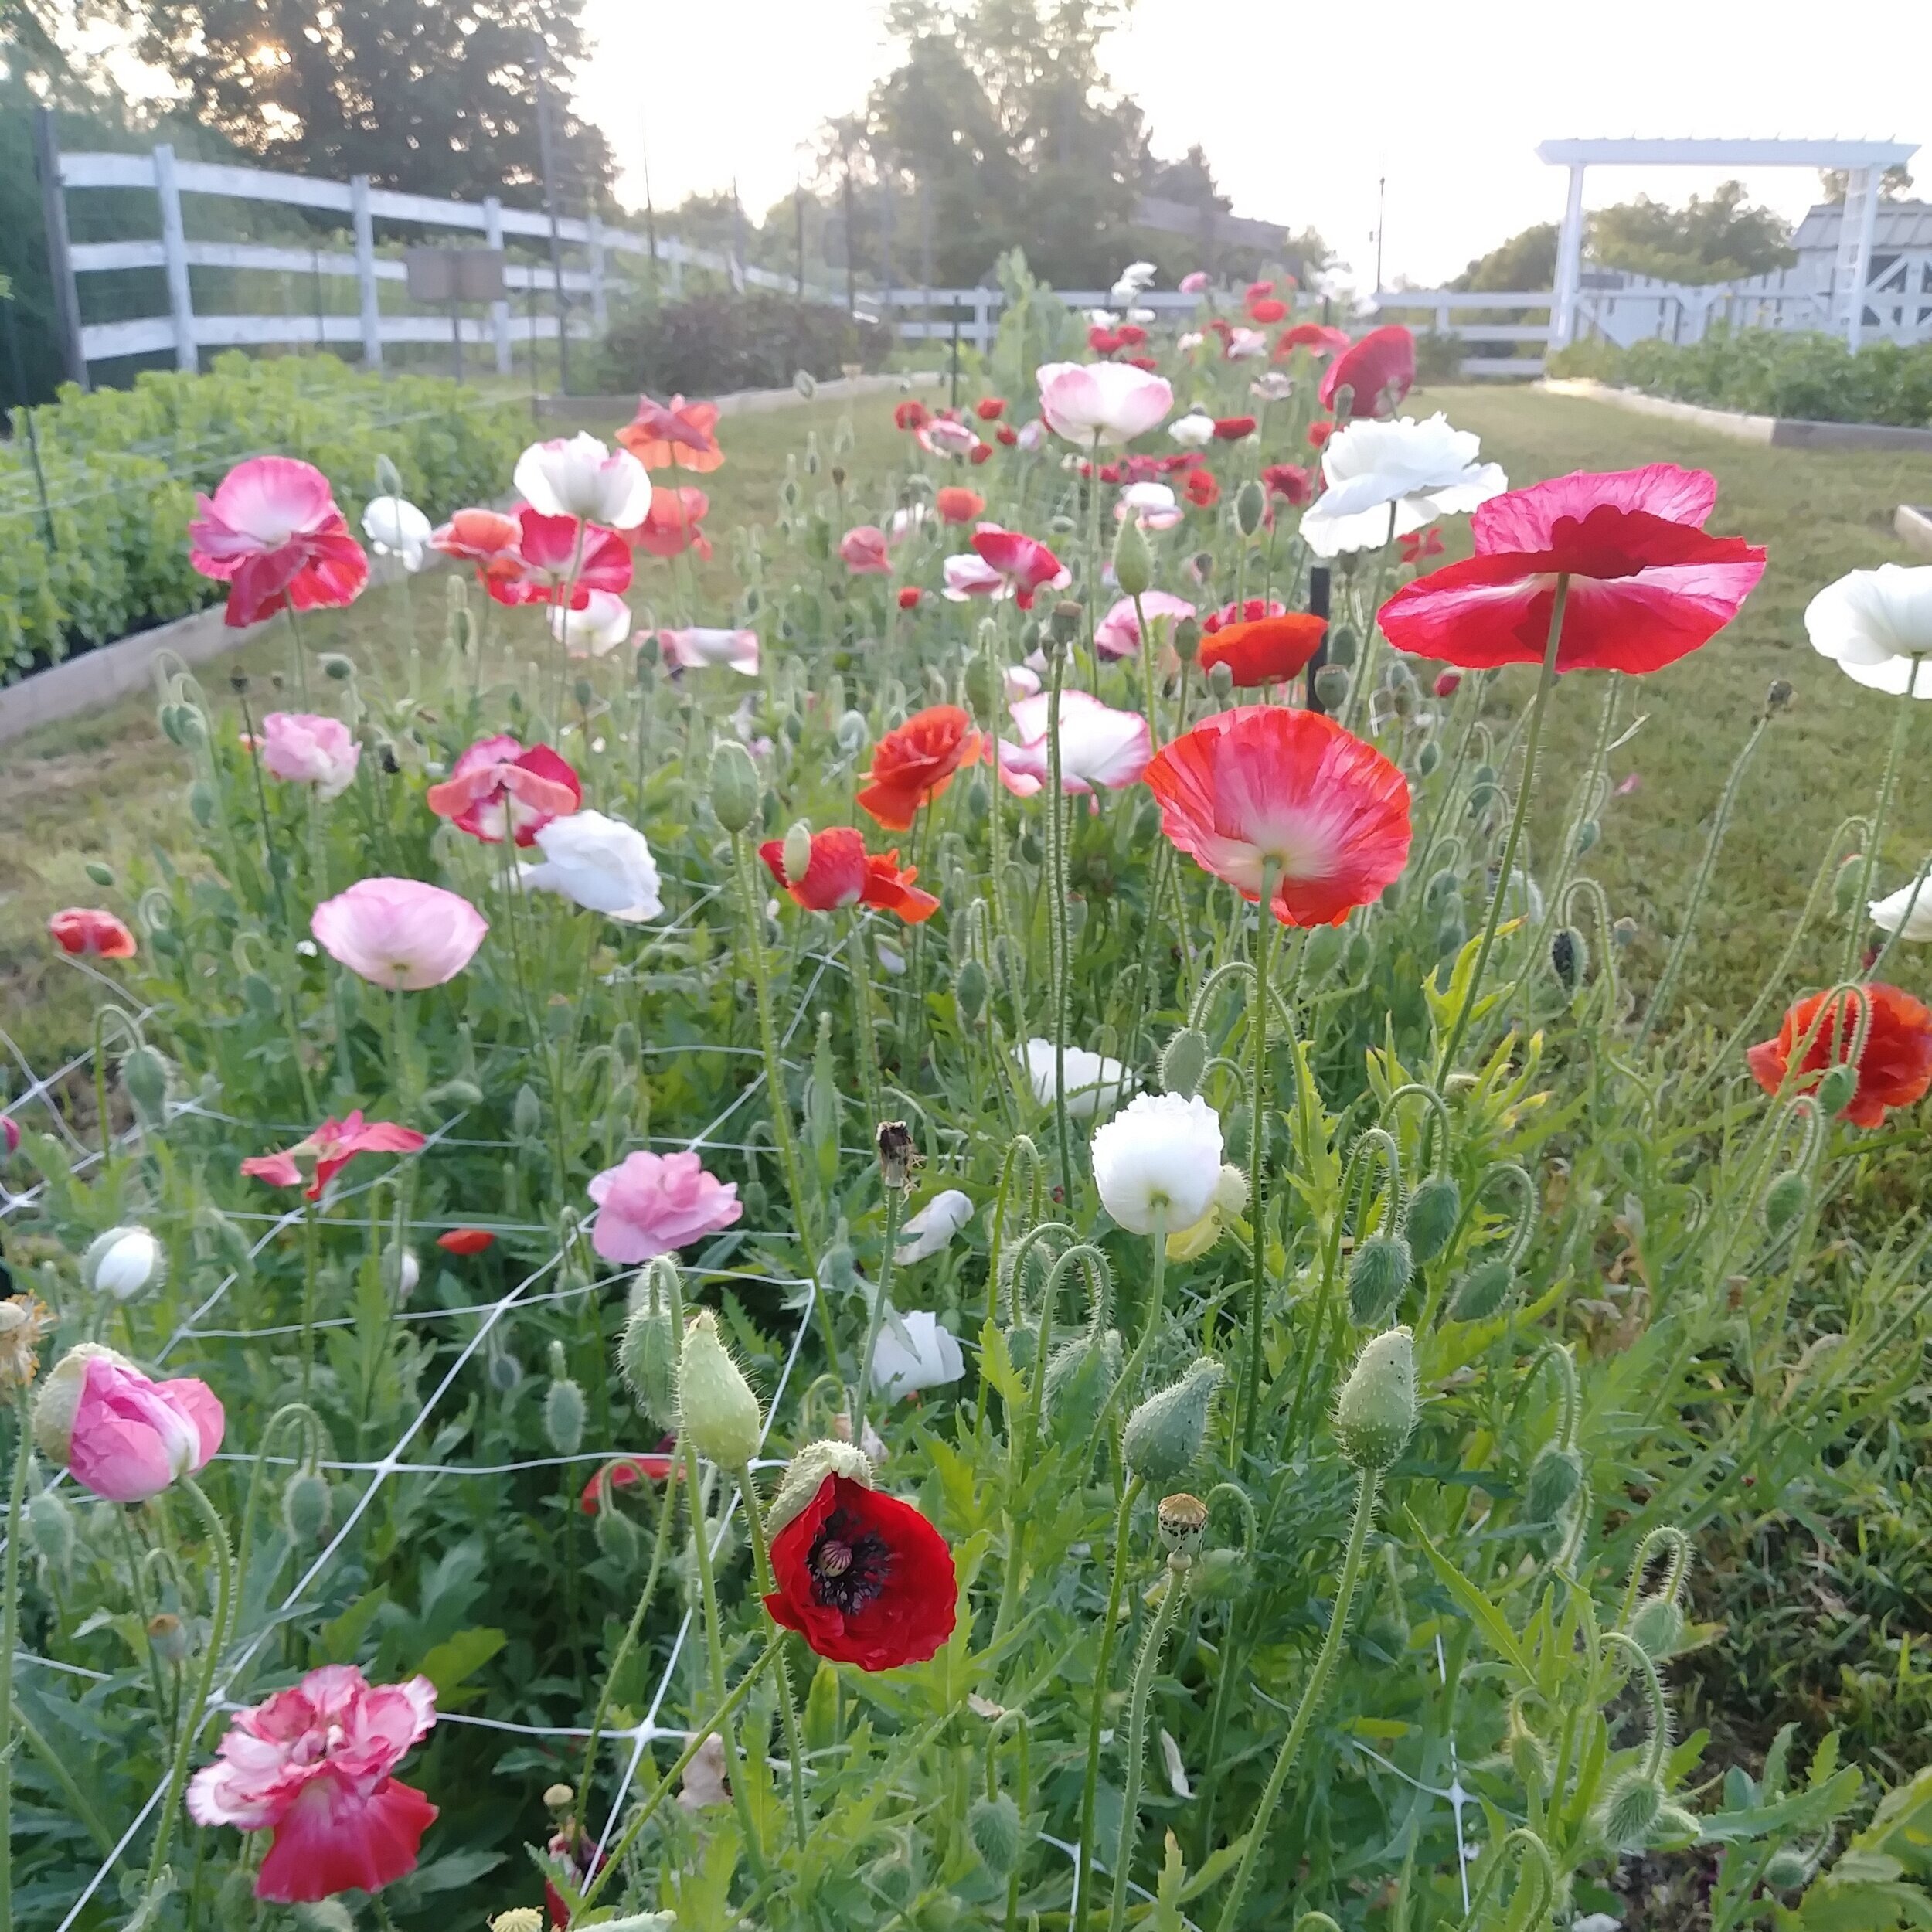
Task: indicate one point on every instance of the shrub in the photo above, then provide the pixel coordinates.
(723, 340)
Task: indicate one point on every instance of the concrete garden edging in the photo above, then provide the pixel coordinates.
(1778, 432)
(1913, 522)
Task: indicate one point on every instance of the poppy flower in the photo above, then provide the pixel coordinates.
(329, 1149)
(577, 476)
(841, 873)
(912, 764)
(499, 787)
(1148, 365)
(1006, 435)
(1265, 784)
(1414, 545)
(1894, 1064)
(1118, 633)
(988, 407)
(1318, 433)
(864, 1578)
(1102, 341)
(911, 414)
(1647, 585)
(403, 934)
(1317, 338)
(629, 1472)
(1387, 477)
(1257, 291)
(1877, 625)
(559, 560)
(486, 538)
(85, 929)
(1380, 370)
(1243, 345)
(1267, 311)
(1201, 489)
(1024, 564)
(1265, 650)
(684, 435)
(1099, 746)
(909, 595)
(272, 533)
(1108, 402)
(1129, 335)
(979, 453)
(674, 523)
(945, 435)
(1194, 282)
(466, 1241)
(653, 1204)
(118, 1433)
(1232, 429)
(696, 647)
(1447, 683)
(862, 551)
(1290, 481)
(1254, 609)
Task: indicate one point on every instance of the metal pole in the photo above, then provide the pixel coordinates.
(1382, 221)
(1318, 607)
(925, 254)
(851, 283)
(650, 218)
(53, 214)
(26, 417)
(321, 325)
(952, 399)
(798, 235)
(548, 161)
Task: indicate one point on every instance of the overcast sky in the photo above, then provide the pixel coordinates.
(1293, 118)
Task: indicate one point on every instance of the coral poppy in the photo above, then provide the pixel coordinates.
(1894, 1064)
(988, 407)
(841, 873)
(558, 560)
(1318, 434)
(1201, 489)
(674, 523)
(864, 1578)
(629, 1472)
(1317, 338)
(499, 786)
(697, 646)
(1289, 481)
(912, 765)
(911, 414)
(1264, 784)
(956, 503)
(1265, 650)
(486, 538)
(273, 534)
(1647, 585)
(329, 1149)
(466, 1241)
(1232, 429)
(678, 432)
(85, 929)
(1380, 370)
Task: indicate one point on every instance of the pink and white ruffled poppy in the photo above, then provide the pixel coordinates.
(595, 629)
(1024, 565)
(966, 576)
(399, 933)
(1118, 633)
(653, 1204)
(273, 534)
(1018, 681)
(1243, 344)
(499, 788)
(1153, 505)
(862, 551)
(946, 436)
(1100, 748)
(558, 560)
(302, 749)
(577, 476)
(118, 1433)
(312, 1764)
(694, 648)
(1111, 402)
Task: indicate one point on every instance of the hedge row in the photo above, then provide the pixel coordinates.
(122, 467)
(706, 343)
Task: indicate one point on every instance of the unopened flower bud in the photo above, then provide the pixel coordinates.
(1342, 644)
(1221, 680)
(616, 1537)
(1187, 639)
(734, 786)
(1063, 626)
(1482, 1290)
(144, 1075)
(1834, 1091)
(1657, 1627)
(1784, 1201)
(995, 1825)
(50, 1524)
(1331, 687)
(1184, 1062)
(169, 1636)
(1624, 931)
(1433, 1209)
(123, 1263)
(717, 1407)
(563, 1415)
(970, 993)
(527, 1113)
(1164, 1435)
(1181, 1519)
(1133, 558)
(401, 1271)
(101, 875)
(796, 857)
(1250, 505)
(1428, 759)
(1375, 1414)
(647, 1348)
(1846, 882)
(1628, 1811)
(1568, 957)
(1788, 1868)
(305, 1507)
(505, 1371)
(1219, 1576)
(1378, 1278)
(1555, 1477)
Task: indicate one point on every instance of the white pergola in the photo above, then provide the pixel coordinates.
(1864, 162)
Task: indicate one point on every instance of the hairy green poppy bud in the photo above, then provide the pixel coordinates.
(50, 1524)
(995, 1825)
(647, 1348)
(1377, 1278)
(970, 992)
(1588, 834)
(1657, 1627)
(1221, 681)
(1133, 559)
(1779, 696)
(1342, 646)
(1846, 882)
(527, 1113)
(1629, 1810)
(1187, 639)
(1375, 1415)
(616, 1536)
(505, 1371)
(1164, 1435)
(1433, 1210)
(202, 803)
(797, 856)
(144, 1074)
(1183, 1061)
(1787, 1869)
(1835, 1090)
(1331, 686)
(1250, 505)
(1427, 759)
(1219, 1575)
(563, 1417)
(734, 786)
(305, 1508)
(101, 875)
(805, 1476)
(1784, 1200)
(1482, 1290)
(456, 1092)
(1080, 1375)
(1555, 1477)
(716, 1404)
(334, 664)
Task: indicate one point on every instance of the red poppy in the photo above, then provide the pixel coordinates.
(466, 1241)
(1150, 363)
(673, 523)
(1025, 562)
(911, 414)
(9, 1135)
(1894, 1066)
(979, 453)
(1647, 585)
(909, 595)
(1380, 370)
(1290, 481)
(1317, 338)
(1250, 612)
(843, 872)
(628, 1472)
(330, 1148)
(1102, 341)
(1256, 291)
(1447, 683)
(1269, 309)
(559, 560)
(1415, 545)
(956, 505)
(987, 408)
(1232, 429)
(1266, 650)
(912, 765)
(1318, 433)
(1219, 325)
(1263, 784)
(1006, 435)
(497, 786)
(86, 929)
(864, 1578)
(684, 435)
(1130, 334)
(1201, 489)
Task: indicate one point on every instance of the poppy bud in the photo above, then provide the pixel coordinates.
(1568, 956)
(1221, 681)
(335, 665)
(1657, 1627)
(647, 1348)
(169, 1636)
(616, 1537)
(734, 786)
(563, 1417)
(821, 1709)
(1183, 1061)
(1080, 1375)
(995, 1825)
(1133, 559)
(527, 1113)
(1063, 626)
(1555, 1477)
(1624, 931)
(50, 1524)
(123, 1263)
(1164, 1435)
(401, 1272)
(1845, 886)
(1433, 1210)
(1375, 1415)
(1482, 1290)
(1377, 1278)
(1250, 505)
(1834, 1091)
(716, 1404)
(1428, 759)
(505, 1371)
(1181, 1520)
(970, 992)
(101, 875)
(456, 1092)
(1587, 834)
(1187, 639)
(1788, 1868)
(805, 1476)
(1342, 648)
(202, 803)
(144, 1075)
(1784, 1201)
(305, 1507)
(1331, 686)
(797, 856)
(1628, 1810)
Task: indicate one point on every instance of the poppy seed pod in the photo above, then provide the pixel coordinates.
(1378, 1276)
(1133, 558)
(717, 1407)
(1331, 686)
(734, 786)
(1250, 505)
(1184, 1062)
(169, 1636)
(1342, 647)
(1181, 1519)
(1164, 1435)
(1433, 1209)
(1375, 1415)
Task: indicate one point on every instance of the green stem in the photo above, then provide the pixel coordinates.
(1124, 1389)
(311, 1266)
(9, 1637)
(857, 966)
(1265, 938)
(1149, 1657)
(1090, 1784)
(767, 1585)
(1860, 912)
(1057, 915)
(895, 1203)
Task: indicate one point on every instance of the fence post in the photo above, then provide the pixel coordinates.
(174, 252)
(53, 213)
(365, 224)
(980, 341)
(499, 311)
(600, 304)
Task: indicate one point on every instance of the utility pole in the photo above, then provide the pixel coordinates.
(1382, 205)
(798, 234)
(547, 156)
(844, 170)
(650, 214)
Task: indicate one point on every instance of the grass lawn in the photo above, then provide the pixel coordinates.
(109, 786)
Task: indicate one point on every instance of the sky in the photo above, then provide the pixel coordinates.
(1453, 124)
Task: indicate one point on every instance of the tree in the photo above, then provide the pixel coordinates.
(434, 99)
(1722, 239)
(1525, 262)
(1894, 185)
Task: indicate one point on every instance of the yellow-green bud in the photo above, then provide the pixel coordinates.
(1164, 1435)
(797, 856)
(715, 1406)
(1375, 1414)
(805, 1476)
(1133, 559)
(734, 786)
(1624, 1819)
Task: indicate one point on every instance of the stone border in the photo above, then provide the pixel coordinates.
(1779, 432)
(1913, 523)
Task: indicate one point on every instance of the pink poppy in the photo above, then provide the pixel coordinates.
(862, 551)
(1100, 747)
(967, 575)
(946, 436)
(1380, 370)
(674, 523)
(1024, 564)
(273, 534)
(498, 787)
(696, 646)
(1117, 635)
(118, 1433)
(559, 560)
(577, 476)
(399, 932)
(312, 1764)
(1195, 283)
(9, 1135)
(329, 1150)
(1089, 402)
(301, 749)
(653, 1204)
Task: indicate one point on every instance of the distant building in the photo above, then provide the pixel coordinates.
(1899, 294)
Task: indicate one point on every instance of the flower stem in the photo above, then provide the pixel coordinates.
(1533, 738)
(858, 967)
(895, 1202)
(311, 1267)
(1124, 1389)
(1090, 1785)
(1149, 1657)
(1264, 937)
(1860, 906)
(1311, 1697)
(9, 1635)
(1056, 917)
(767, 1585)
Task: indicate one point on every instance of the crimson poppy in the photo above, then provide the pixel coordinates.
(629, 1472)
(1265, 650)
(1647, 584)
(1201, 489)
(558, 560)
(841, 873)
(979, 453)
(1150, 363)
(911, 414)
(1006, 435)
(864, 1578)
(956, 504)
(1265, 786)
(988, 407)
(1130, 334)
(86, 929)
(1102, 341)
(466, 1240)
(1447, 683)
(1414, 545)
(1317, 338)
(909, 597)
(1025, 562)
(1232, 429)
(1380, 370)
(912, 765)
(499, 786)
(1290, 481)
(677, 434)
(1267, 310)
(1318, 433)
(1250, 612)
(1894, 1063)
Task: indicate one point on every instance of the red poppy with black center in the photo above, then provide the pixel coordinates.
(1894, 1063)
(466, 1241)
(1267, 650)
(1380, 370)
(912, 764)
(864, 1578)
(1201, 489)
(841, 873)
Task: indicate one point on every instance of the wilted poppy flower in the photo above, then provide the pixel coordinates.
(273, 534)
(1415, 545)
(627, 1472)
(1118, 633)
(695, 647)
(85, 929)
(558, 560)
(1024, 564)
(312, 1764)
(958, 505)
(1647, 586)
(862, 551)
(841, 873)
(1380, 370)
(1266, 650)
(1100, 747)
(864, 1578)
(1232, 429)
(1201, 489)
(399, 933)
(1386, 479)
(674, 523)
(911, 414)
(1317, 338)
(576, 476)
(912, 764)
(1089, 402)
(1894, 1064)
(329, 1149)
(988, 407)
(1263, 784)
(684, 435)
(653, 1204)
(1876, 625)
(1290, 481)
(499, 786)
(466, 1241)
(118, 1433)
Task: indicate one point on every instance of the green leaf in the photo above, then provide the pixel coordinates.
(339, 1640)
(1488, 1618)
(449, 1663)
(1809, 1810)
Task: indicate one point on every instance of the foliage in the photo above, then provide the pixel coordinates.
(750, 339)
(1894, 185)
(1723, 238)
(1806, 375)
(1527, 261)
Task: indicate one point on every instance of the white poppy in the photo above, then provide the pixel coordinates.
(1188, 340)
(600, 864)
(1135, 277)
(933, 1227)
(1245, 344)
(914, 1352)
(577, 476)
(1161, 1154)
(1194, 430)
(1274, 387)
(1386, 480)
(968, 574)
(597, 630)
(1154, 506)
(1100, 747)
(123, 1262)
(1018, 681)
(395, 527)
(1908, 911)
(1032, 434)
(1095, 1084)
(1877, 624)
(695, 647)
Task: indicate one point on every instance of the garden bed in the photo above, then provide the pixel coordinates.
(1774, 431)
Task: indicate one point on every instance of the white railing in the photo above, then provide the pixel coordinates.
(1442, 311)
